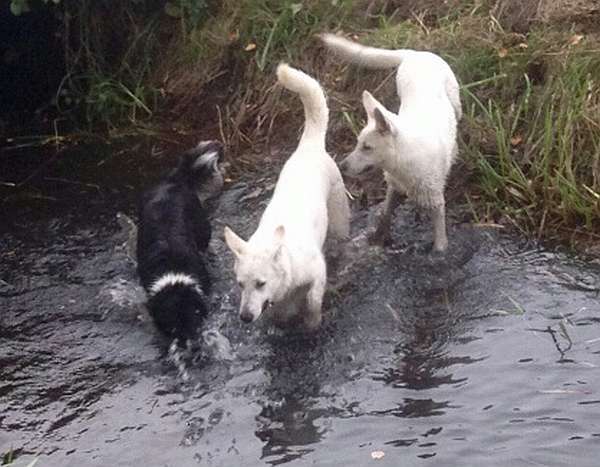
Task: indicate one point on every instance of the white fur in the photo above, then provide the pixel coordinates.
(282, 263)
(209, 159)
(170, 279)
(417, 146)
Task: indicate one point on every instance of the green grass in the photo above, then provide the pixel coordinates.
(9, 458)
(543, 171)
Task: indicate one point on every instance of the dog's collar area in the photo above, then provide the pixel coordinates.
(171, 279)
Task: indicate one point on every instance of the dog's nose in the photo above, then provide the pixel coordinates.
(246, 317)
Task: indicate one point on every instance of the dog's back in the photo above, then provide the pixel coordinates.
(421, 75)
(173, 229)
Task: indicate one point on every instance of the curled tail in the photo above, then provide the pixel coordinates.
(316, 113)
(358, 54)
(198, 164)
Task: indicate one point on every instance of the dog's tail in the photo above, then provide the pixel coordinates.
(369, 57)
(316, 113)
(199, 163)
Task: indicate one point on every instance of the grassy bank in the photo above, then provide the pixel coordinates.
(530, 137)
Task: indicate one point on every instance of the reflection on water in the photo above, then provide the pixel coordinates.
(488, 356)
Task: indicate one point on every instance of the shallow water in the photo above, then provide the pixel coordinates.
(486, 357)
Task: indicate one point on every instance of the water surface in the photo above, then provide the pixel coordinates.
(486, 357)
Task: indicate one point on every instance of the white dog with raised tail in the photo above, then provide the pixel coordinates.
(281, 268)
(415, 147)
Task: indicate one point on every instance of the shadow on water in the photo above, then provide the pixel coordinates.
(487, 356)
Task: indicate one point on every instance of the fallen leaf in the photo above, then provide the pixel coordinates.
(250, 47)
(516, 140)
(516, 193)
(523, 45)
(377, 455)
(502, 52)
(295, 7)
(575, 39)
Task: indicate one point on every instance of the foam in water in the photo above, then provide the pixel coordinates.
(175, 356)
(124, 293)
(218, 345)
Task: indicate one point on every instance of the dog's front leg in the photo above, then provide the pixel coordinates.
(440, 239)
(382, 234)
(314, 297)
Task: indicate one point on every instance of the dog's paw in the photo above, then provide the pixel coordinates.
(378, 238)
(312, 322)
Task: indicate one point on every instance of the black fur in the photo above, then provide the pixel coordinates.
(173, 234)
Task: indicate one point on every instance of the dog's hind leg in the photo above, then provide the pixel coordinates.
(438, 217)
(382, 235)
(338, 211)
(453, 93)
(314, 297)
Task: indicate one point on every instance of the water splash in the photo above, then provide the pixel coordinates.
(218, 345)
(176, 357)
(124, 293)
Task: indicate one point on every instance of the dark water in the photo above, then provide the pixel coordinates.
(488, 357)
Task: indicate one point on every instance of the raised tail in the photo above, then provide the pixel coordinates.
(369, 57)
(316, 113)
(199, 164)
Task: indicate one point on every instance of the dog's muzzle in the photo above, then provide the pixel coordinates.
(246, 317)
(346, 170)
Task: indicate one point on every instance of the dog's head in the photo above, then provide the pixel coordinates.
(200, 166)
(376, 141)
(178, 311)
(261, 272)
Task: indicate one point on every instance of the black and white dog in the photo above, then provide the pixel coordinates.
(173, 235)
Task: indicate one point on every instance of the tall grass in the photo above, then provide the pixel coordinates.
(545, 172)
(110, 52)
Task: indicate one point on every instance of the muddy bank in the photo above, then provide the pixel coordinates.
(486, 357)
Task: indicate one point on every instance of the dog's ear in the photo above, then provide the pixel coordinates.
(370, 104)
(279, 235)
(382, 124)
(236, 244)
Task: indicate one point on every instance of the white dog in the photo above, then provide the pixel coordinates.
(415, 147)
(282, 264)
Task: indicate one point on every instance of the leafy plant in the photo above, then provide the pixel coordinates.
(191, 12)
(18, 7)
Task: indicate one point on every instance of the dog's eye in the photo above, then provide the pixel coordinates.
(260, 284)
(241, 284)
(366, 147)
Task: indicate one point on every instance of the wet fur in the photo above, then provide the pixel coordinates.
(173, 234)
